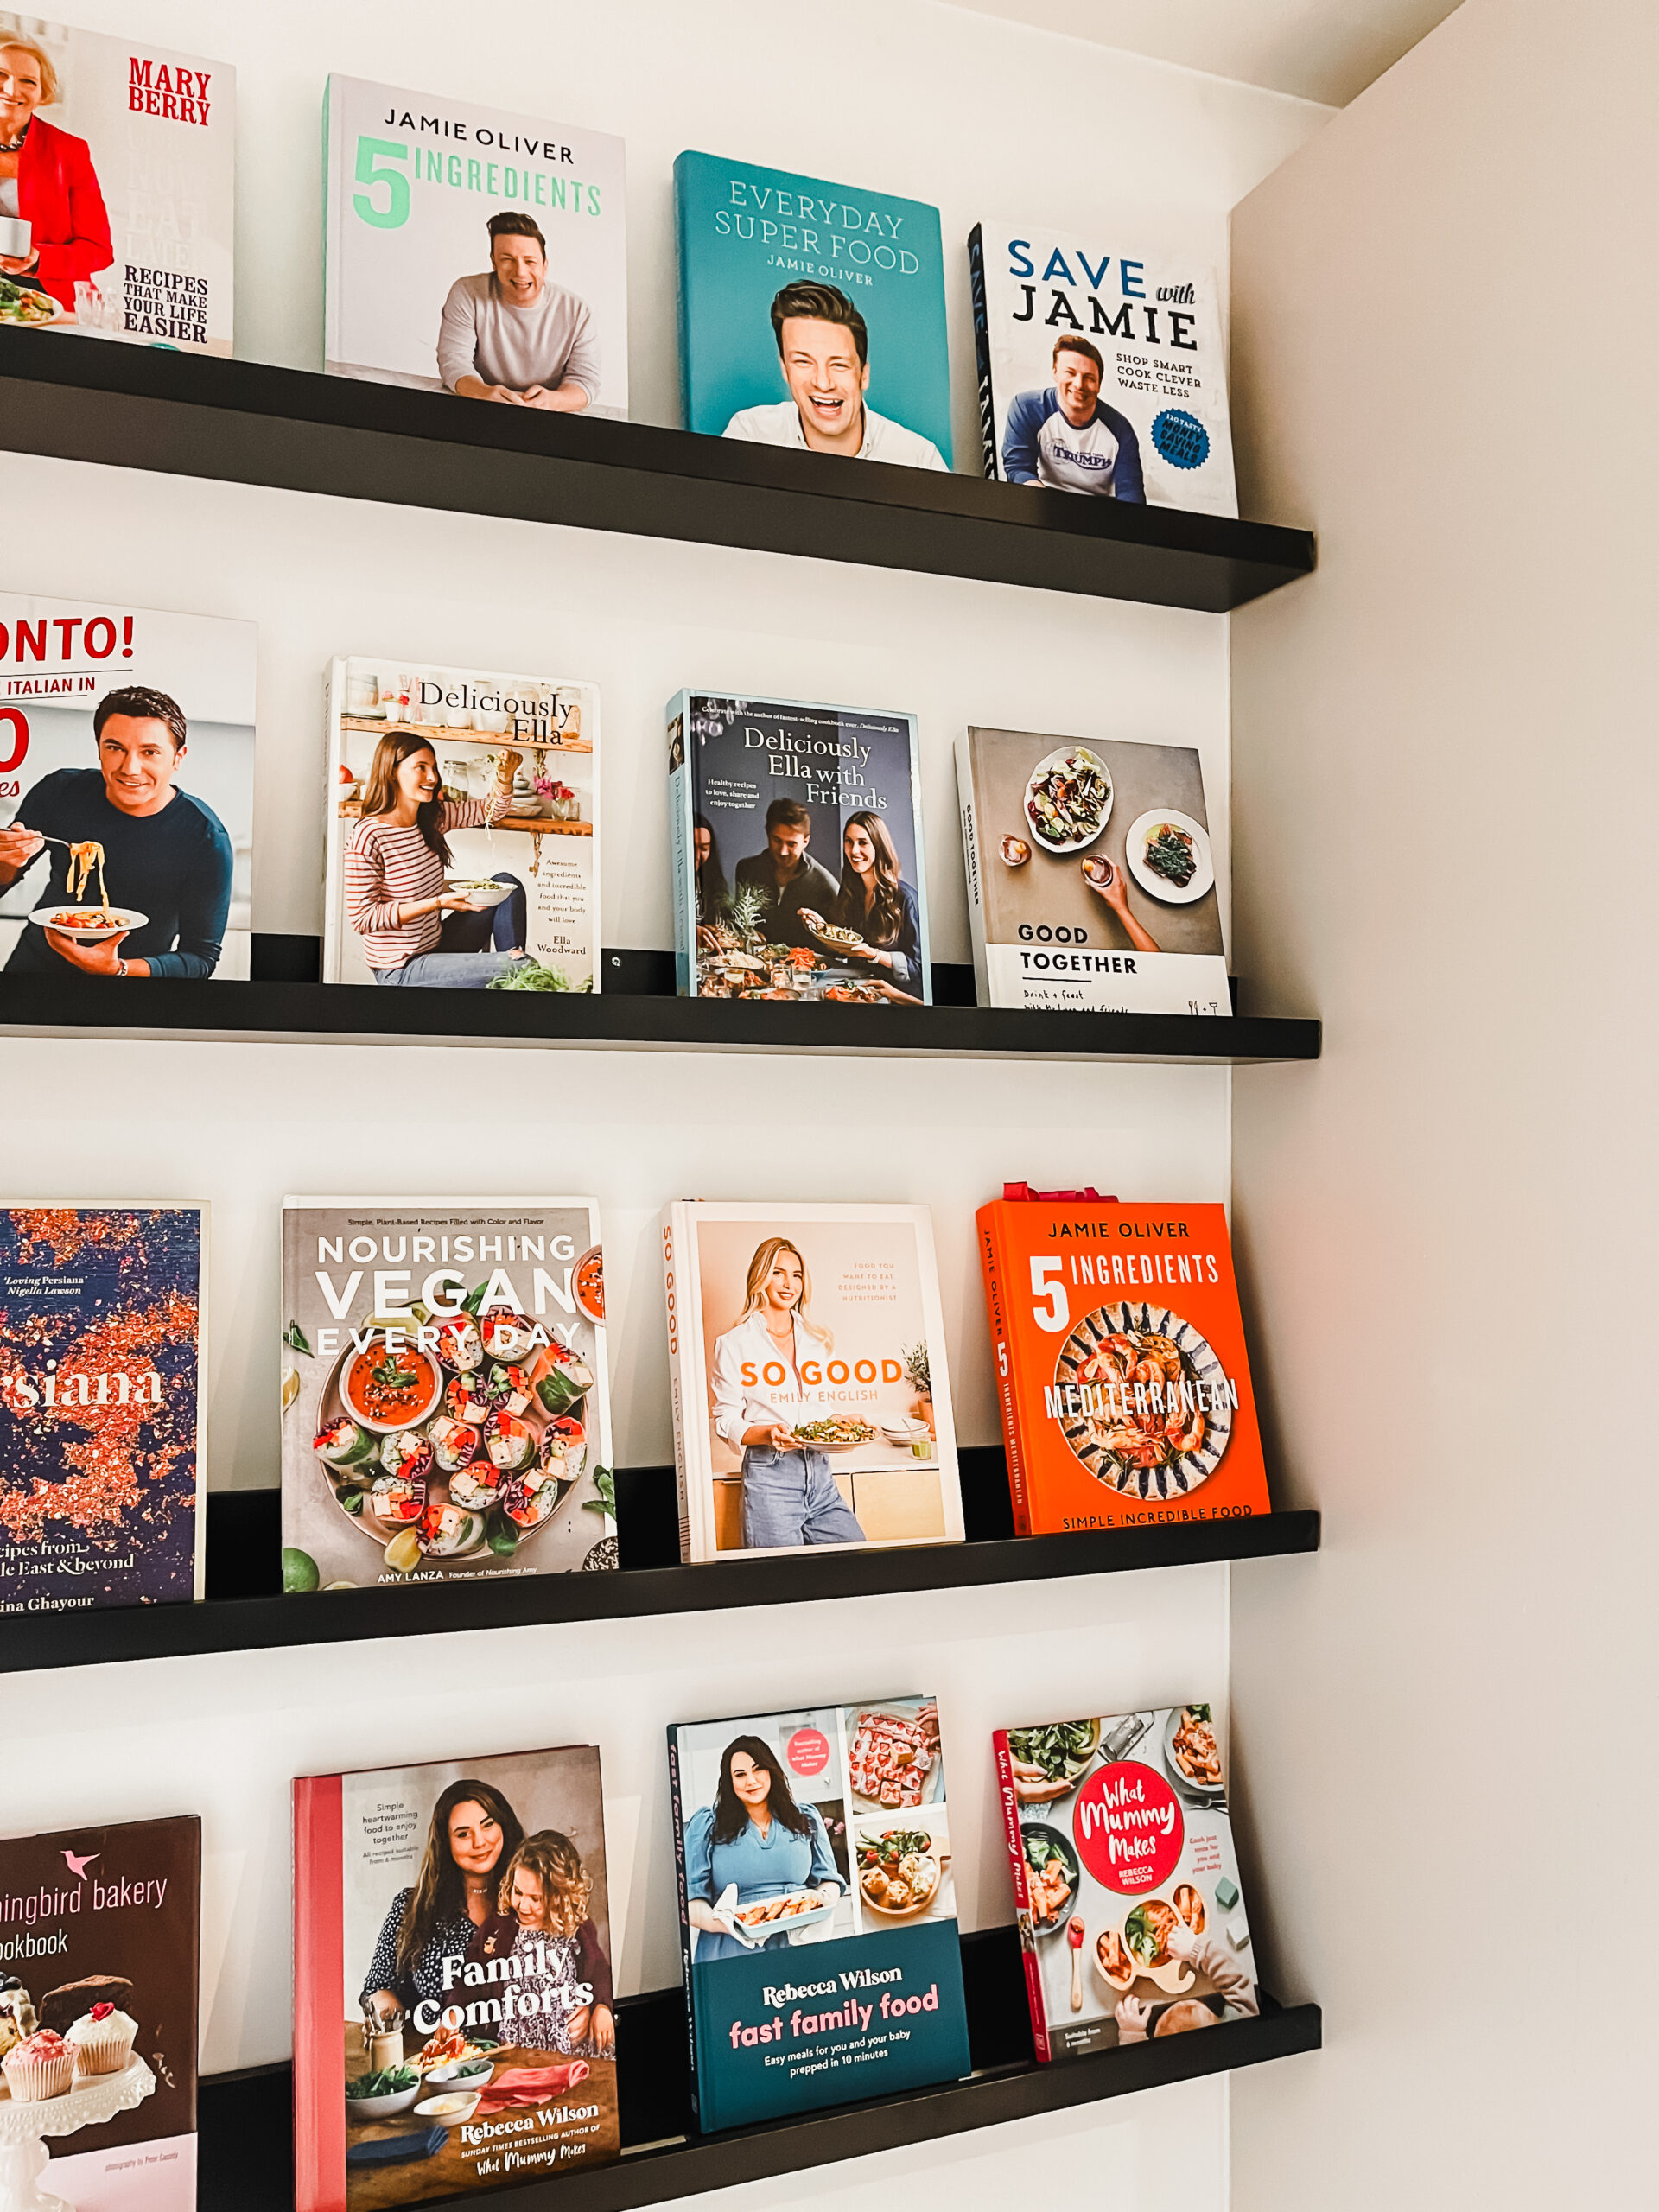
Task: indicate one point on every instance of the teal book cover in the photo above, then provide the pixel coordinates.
(817, 1908)
(865, 371)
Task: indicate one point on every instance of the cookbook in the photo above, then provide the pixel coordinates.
(860, 274)
(445, 1399)
(1126, 1887)
(821, 1836)
(1102, 372)
(806, 1370)
(1122, 1377)
(126, 789)
(102, 1425)
(468, 248)
(1091, 880)
(455, 2020)
(503, 862)
(100, 1931)
(125, 226)
(795, 833)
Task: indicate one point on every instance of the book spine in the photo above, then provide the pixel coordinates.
(681, 300)
(319, 1977)
(1021, 1895)
(971, 866)
(673, 1292)
(334, 751)
(1008, 1396)
(203, 1245)
(679, 846)
(982, 351)
(924, 942)
(685, 1924)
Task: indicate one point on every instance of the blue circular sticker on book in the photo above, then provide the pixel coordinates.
(1180, 438)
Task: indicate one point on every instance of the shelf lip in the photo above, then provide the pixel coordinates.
(295, 429)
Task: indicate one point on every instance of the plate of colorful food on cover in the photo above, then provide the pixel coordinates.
(1168, 854)
(893, 1758)
(1068, 799)
(837, 1433)
(1053, 1874)
(1192, 1755)
(1140, 1427)
(900, 1870)
(89, 925)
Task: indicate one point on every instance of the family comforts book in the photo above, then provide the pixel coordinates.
(1103, 365)
(822, 1837)
(446, 1407)
(1123, 1378)
(462, 829)
(810, 314)
(1125, 1886)
(126, 789)
(102, 1426)
(100, 1958)
(806, 1366)
(796, 838)
(455, 2025)
(123, 220)
(470, 249)
(1091, 884)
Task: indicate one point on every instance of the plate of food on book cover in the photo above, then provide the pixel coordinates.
(838, 1433)
(1068, 799)
(1192, 1755)
(1049, 1761)
(1052, 1875)
(900, 1872)
(89, 925)
(894, 1756)
(1168, 854)
(1127, 1438)
(1138, 1944)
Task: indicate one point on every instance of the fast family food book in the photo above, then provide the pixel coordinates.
(817, 1908)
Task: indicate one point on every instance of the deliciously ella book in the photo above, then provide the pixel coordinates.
(100, 1958)
(454, 2023)
(1126, 1888)
(472, 248)
(1103, 365)
(1091, 881)
(103, 1426)
(446, 1408)
(124, 220)
(795, 833)
(817, 1908)
(806, 1357)
(1122, 1376)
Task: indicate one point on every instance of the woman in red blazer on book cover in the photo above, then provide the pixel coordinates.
(48, 180)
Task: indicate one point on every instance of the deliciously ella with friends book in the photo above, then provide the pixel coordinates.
(455, 2025)
(445, 1409)
(103, 1428)
(1122, 1376)
(1126, 1886)
(817, 1908)
(796, 837)
(806, 1359)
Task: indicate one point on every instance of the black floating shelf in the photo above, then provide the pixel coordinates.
(246, 2129)
(244, 1610)
(242, 422)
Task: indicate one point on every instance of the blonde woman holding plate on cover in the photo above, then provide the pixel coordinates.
(789, 1497)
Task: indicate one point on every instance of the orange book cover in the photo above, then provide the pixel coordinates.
(1122, 1377)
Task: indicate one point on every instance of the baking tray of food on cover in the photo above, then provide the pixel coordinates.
(893, 1754)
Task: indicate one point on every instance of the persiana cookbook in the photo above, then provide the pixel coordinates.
(1122, 1377)
(1127, 1895)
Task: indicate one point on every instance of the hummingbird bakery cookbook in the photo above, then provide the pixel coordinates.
(445, 1401)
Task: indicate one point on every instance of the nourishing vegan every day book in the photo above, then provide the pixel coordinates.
(454, 2023)
(817, 1908)
(1125, 1886)
(103, 1347)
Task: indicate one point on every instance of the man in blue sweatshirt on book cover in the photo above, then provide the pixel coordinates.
(1067, 438)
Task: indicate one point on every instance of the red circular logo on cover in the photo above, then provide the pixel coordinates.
(808, 1750)
(1128, 1827)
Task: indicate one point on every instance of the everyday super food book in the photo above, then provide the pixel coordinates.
(817, 1908)
(100, 1958)
(1126, 1887)
(1091, 880)
(1102, 365)
(1122, 1376)
(454, 2023)
(445, 1401)
(103, 1426)
(463, 829)
(806, 1357)
(796, 837)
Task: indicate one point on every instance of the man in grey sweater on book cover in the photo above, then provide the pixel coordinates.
(508, 334)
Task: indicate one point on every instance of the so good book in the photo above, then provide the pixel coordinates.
(1122, 1376)
(446, 1407)
(806, 1358)
(495, 883)
(1126, 1887)
(1091, 886)
(454, 2027)
(103, 1347)
(817, 1908)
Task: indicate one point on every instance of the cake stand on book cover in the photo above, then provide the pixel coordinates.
(90, 2100)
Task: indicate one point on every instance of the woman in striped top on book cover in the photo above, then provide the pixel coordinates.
(416, 928)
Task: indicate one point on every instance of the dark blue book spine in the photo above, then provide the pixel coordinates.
(982, 351)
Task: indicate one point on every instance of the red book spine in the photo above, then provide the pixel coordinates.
(319, 1977)
(1008, 1402)
(1021, 1894)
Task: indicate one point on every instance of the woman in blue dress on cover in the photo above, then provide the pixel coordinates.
(756, 1836)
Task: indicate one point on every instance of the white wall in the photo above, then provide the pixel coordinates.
(1444, 790)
